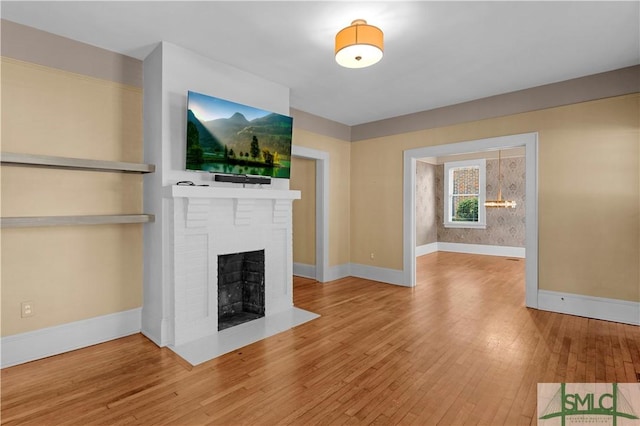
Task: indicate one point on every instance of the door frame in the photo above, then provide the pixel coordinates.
(530, 142)
(322, 207)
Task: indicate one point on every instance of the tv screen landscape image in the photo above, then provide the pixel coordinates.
(227, 137)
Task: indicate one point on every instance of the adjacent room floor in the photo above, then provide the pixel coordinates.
(459, 348)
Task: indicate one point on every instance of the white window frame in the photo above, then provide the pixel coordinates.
(482, 196)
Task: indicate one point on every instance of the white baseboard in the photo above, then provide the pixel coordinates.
(338, 271)
(426, 249)
(304, 270)
(591, 307)
(385, 275)
(487, 250)
(333, 273)
(389, 276)
(33, 345)
(157, 329)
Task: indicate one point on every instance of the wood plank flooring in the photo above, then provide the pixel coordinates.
(460, 348)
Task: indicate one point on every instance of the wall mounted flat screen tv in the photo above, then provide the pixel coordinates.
(231, 138)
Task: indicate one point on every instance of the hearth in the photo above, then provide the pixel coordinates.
(240, 288)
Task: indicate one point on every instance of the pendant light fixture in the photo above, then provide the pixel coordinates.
(500, 202)
(359, 45)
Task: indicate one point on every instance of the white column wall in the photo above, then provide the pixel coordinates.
(169, 72)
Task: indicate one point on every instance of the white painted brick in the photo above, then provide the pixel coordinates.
(203, 229)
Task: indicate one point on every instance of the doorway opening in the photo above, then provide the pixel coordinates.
(320, 271)
(529, 142)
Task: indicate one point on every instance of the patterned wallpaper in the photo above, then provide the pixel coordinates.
(505, 227)
(426, 209)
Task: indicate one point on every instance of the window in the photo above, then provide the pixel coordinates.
(464, 194)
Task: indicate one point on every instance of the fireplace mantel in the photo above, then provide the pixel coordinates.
(198, 198)
(187, 191)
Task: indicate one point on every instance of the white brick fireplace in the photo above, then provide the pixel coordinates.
(195, 224)
(212, 221)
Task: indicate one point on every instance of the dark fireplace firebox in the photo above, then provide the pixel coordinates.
(240, 288)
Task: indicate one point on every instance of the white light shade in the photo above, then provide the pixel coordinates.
(358, 56)
(359, 45)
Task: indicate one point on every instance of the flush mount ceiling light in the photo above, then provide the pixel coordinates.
(500, 202)
(359, 45)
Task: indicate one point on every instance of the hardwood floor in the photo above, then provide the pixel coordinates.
(460, 348)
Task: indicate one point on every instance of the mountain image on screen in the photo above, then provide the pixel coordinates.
(236, 145)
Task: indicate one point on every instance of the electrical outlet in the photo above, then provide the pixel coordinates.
(372, 255)
(26, 309)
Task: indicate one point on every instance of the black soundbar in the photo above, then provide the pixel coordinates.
(243, 179)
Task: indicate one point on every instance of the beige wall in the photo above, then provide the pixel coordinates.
(589, 226)
(79, 272)
(303, 179)
(339, 184)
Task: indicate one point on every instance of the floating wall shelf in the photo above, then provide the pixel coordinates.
(14, 159)
(30, 160)
(23, 222)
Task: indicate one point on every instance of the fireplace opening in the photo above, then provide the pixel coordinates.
(240, 288)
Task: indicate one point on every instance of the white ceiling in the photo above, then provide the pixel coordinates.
(436, 53)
